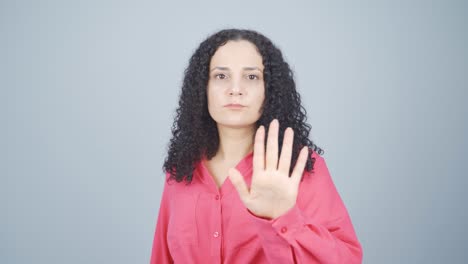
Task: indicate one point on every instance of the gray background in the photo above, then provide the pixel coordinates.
(89, 89)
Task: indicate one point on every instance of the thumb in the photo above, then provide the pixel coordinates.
(238, 181)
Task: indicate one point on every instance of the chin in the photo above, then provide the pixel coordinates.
(236, 123)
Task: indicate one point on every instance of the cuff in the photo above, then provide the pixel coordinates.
(282, 229)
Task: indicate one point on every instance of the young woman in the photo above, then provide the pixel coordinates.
(244, 183)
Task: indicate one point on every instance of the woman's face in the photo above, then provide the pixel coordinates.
(236, 77)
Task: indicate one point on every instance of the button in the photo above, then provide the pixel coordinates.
(217, 197)
(216, 234)
(284, 229)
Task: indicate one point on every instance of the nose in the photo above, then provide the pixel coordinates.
(232, 92)
(235, 90)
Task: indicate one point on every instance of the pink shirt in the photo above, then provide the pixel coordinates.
(201, 223)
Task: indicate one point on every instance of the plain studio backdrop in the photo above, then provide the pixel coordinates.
(89, 90)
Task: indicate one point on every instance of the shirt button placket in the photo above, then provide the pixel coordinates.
(216, 235)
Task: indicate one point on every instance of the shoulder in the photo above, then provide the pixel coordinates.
(319, 161)
(319, 176)
(174, 190)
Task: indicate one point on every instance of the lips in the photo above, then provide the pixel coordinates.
(234, 105)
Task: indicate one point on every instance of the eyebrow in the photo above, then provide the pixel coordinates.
(227, 68)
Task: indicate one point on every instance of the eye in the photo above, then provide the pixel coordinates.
(221, 76)
(254, 77)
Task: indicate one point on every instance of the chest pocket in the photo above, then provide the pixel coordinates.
(182, 227)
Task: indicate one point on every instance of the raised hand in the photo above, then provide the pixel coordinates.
(272, 192)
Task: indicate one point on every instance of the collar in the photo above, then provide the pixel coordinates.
(244, 166)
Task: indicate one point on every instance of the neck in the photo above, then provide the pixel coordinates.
(234, 143)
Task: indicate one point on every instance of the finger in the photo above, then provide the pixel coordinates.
(238, 181)
(300, 165)
(286, 151)
(272, 146)
(259, 150)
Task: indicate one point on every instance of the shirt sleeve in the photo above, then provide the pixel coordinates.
(317, 229)
(160, 251)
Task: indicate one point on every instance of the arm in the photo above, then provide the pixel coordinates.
(160, 251)
(317, 229)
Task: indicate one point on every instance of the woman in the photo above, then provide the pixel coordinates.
(239, 130)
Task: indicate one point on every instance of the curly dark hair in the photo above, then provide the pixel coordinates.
(194, 132)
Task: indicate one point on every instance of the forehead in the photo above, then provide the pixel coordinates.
(239, 53)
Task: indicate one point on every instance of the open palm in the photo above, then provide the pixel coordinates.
(272, 192)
